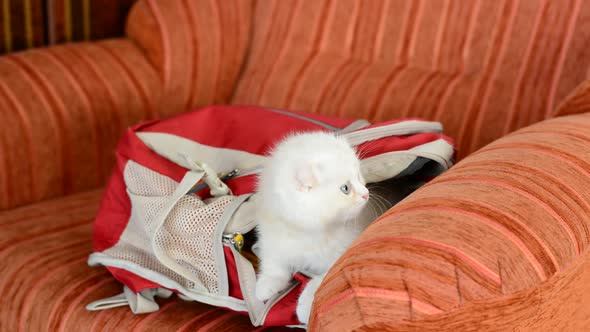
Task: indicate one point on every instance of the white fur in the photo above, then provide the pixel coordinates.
(305, 301)
(305, 220)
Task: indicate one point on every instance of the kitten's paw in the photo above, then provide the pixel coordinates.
(267, 287)
(304, 308)
(305, 301)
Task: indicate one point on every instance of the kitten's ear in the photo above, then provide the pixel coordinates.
(306, 176)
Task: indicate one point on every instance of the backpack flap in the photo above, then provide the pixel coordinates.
(388, 149)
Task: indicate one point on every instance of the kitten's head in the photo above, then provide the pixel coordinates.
(316, 180)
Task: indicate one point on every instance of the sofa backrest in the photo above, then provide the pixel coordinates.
(198, 47)
(483, 68)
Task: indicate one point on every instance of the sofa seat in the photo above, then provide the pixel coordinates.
(46, 282)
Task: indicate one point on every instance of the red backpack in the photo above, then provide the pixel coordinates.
(177, 214)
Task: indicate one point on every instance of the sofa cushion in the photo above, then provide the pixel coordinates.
(63, 110)
(487, 244)
(197, 47)
(482, 68)
(46, 282)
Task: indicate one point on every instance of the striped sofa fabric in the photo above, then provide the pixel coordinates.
(70, 103)
(482, 68)
(26, 24)
(499, 242)
(502, 225)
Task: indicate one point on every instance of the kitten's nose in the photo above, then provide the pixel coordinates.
(365, 196)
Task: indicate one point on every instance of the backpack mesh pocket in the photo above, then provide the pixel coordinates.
(187, 236)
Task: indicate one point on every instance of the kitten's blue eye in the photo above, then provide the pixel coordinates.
(345, 189)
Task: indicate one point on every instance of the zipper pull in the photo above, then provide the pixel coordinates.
(222, 176)
(229, 175)
(235, 239)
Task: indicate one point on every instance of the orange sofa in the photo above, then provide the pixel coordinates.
(498, 243)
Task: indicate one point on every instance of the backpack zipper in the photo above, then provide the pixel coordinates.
(235, 240)
(304, 118)
(222, 176)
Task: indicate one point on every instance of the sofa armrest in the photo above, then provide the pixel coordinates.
(577, 102)
(63, 110)
(64, 107)
(198, 47)
(468, 249)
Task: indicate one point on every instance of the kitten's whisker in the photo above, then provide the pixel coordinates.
(387, 204)
(377, 194)
(380, 186)
(384, 199)
(366, 149)
(373, 211)
(364, 153)
(376, 206)
(383, 203)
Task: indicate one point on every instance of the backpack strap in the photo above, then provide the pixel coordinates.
(356, 125)
(408, 127)
(190, 178)
(217, 187)
(139, 303)
(247, 277)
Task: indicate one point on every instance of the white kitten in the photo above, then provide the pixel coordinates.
(310, 195)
